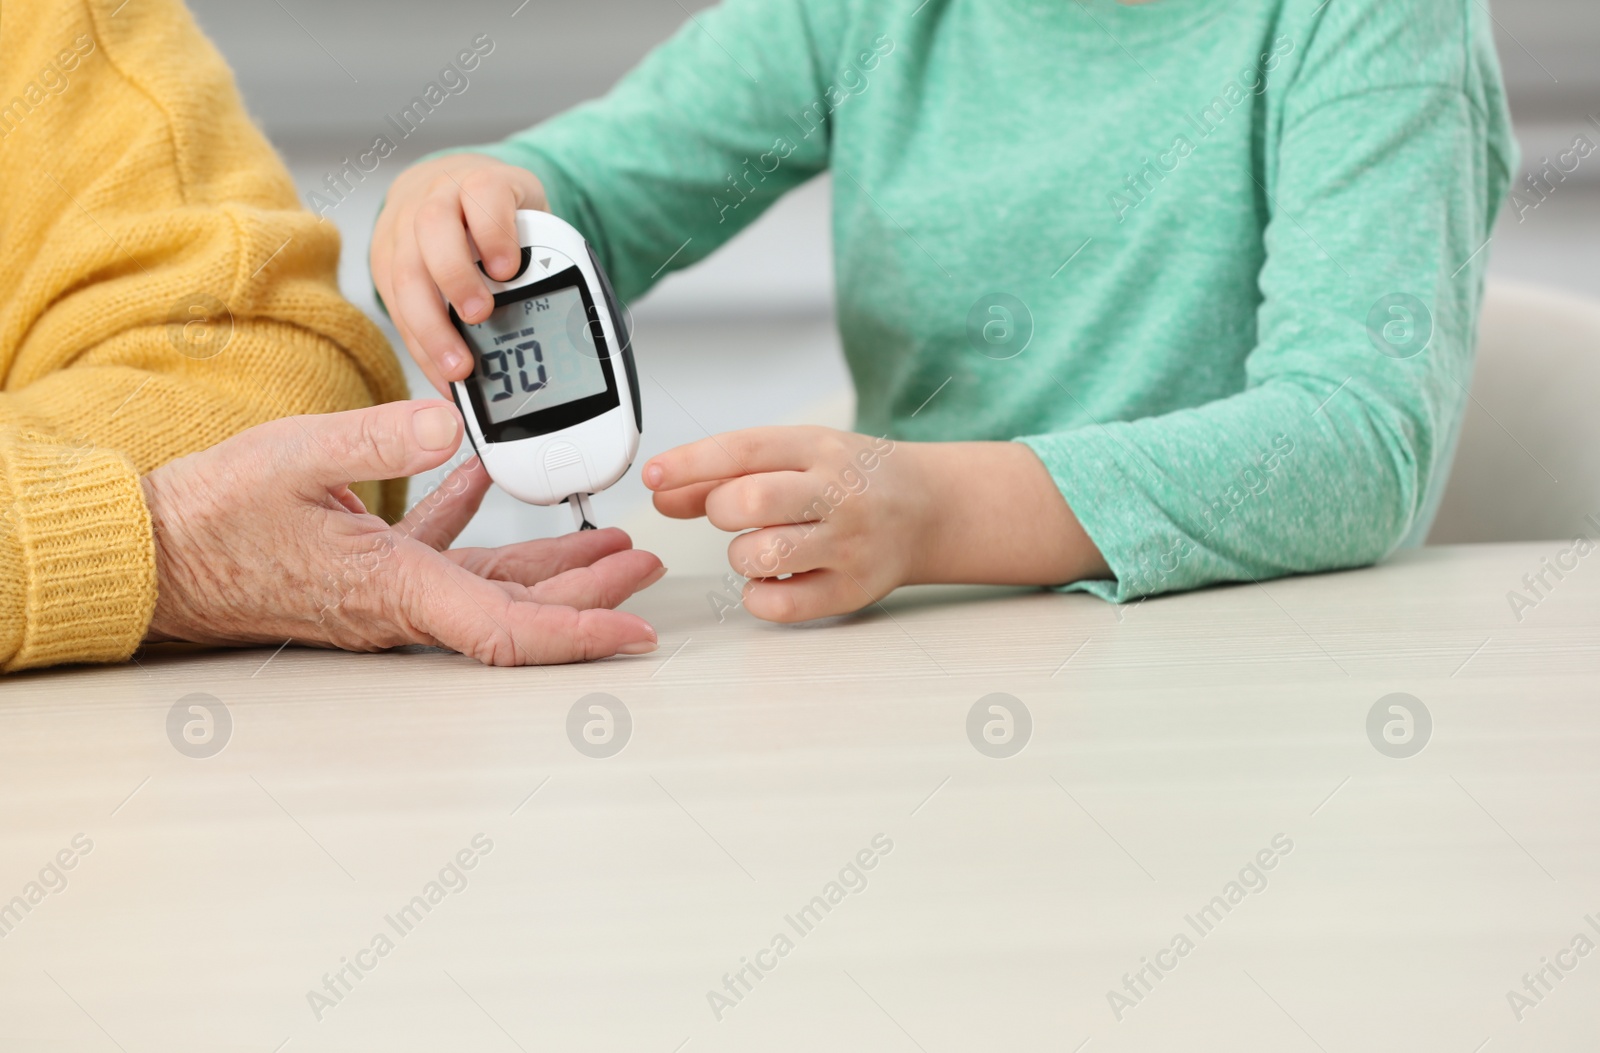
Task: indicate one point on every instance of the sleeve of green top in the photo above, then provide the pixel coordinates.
(694, 143)
(1330, 456)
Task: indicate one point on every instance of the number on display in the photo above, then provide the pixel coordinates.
(497, 370)
(538, 361)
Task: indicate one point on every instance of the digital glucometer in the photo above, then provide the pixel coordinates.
(552, 405)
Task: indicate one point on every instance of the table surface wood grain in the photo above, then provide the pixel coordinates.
(964, 819)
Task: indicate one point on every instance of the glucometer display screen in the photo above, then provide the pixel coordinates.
(527, 361)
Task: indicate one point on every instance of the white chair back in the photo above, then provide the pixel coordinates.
(1528, 464)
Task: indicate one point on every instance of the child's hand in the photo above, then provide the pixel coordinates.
(420, 249)
(843, 514)
(852, 518)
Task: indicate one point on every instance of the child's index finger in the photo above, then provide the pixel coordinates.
(727, 456)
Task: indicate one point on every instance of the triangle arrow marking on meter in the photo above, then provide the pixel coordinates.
(545, 263)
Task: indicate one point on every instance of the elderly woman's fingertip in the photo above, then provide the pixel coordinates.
(436, 426)
(645, 645)
(650, 643)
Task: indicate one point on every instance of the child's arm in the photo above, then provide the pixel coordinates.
(853, 517)
(1381, 180)
(687, 150)
(1381, 190)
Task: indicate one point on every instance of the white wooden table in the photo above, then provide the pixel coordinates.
(1172, 744)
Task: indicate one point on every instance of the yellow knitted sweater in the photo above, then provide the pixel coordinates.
(160, 290)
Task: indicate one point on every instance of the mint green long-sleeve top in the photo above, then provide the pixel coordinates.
(1218, 263)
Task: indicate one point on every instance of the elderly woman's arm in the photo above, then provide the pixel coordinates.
(165, 291)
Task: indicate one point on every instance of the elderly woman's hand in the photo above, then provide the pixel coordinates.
(259, 540)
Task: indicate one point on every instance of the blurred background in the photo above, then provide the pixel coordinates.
(321, 75)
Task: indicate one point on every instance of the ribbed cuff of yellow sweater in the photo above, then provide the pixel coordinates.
(77, 557)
